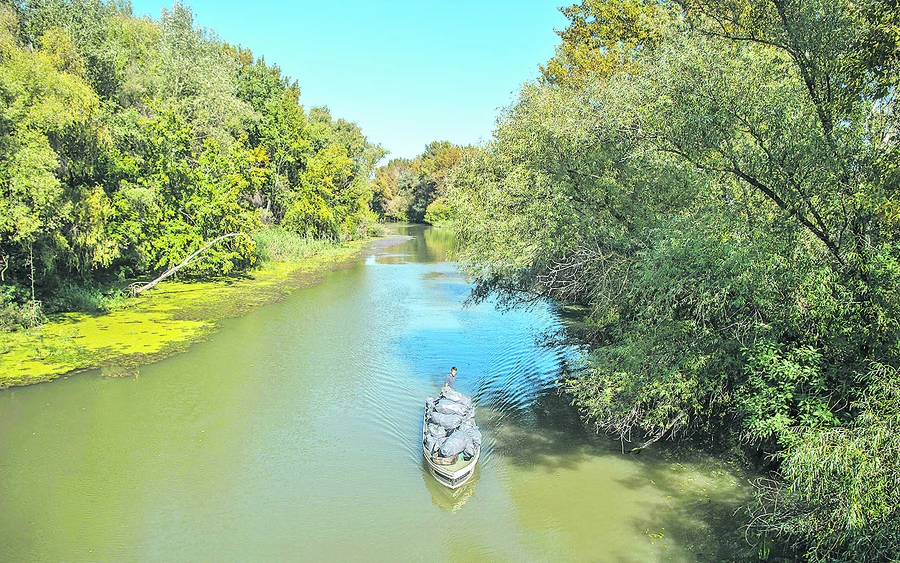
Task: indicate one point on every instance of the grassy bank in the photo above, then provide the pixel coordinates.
(175, 314)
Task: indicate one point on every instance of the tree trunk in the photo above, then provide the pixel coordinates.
(141, 288)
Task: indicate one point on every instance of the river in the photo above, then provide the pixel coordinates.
(292, 434)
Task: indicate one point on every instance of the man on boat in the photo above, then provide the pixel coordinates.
(450, 381)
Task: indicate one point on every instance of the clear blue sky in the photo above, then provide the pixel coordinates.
(408, 72)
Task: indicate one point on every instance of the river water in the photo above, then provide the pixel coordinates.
(292, 434)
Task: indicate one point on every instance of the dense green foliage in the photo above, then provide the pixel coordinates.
(716, 182)
(125, 144)
(416, 190)
(844, 482)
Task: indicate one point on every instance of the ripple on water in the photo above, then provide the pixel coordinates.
(297, 427)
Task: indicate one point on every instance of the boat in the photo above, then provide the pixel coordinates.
(452, 472)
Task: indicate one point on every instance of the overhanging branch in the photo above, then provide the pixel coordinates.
(138, 289)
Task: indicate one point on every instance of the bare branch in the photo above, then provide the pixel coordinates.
(138, 289)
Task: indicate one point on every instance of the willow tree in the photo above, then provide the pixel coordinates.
(719, 192)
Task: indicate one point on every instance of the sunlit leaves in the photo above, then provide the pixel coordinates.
(126, 144)
(42, 105)
(603, 37)
(404, 189)
(719, 195)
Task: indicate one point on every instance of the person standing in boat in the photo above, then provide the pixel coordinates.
(450, 381)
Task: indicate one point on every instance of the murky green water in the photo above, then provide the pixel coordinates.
(293, 435)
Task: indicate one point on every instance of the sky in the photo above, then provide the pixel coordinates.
(407, 72)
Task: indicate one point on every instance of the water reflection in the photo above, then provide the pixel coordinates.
(549, 434)
(428, 245)
(445, 498)
(298, 426)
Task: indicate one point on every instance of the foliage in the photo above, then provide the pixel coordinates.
(603, 37)
(844, 482)
(126, 144)
(438, 212)
(15, 313)
(404, 189)
(716, 183)
(89, 299)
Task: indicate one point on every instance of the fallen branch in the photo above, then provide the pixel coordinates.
(137, 289)
(660, 434)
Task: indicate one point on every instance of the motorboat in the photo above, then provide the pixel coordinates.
(451, 441)
(453, 471)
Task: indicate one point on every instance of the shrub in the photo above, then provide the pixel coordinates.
(438, 212)
(16, 312)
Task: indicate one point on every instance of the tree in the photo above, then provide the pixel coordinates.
(603, 37)
(47, 108)
(387, 199)
(406, 188)
(126, 145)
(719, 194)
(839, 494)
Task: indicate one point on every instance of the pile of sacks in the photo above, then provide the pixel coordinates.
(450, 428)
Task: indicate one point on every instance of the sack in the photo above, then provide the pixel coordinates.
(446, 406)
(472, 432)
(457, 397)
(437, 431)
(448, 421)
(469, 450)
(454, 444)
(432, 444)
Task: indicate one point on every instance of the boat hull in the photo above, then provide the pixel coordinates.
(452, 476)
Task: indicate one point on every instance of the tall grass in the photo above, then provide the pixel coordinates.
(17, 311)
(16, 316)
(85, 299)
(278, 245)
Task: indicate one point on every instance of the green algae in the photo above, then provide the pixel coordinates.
(150, 327)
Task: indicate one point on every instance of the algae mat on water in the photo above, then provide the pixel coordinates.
(148, 328)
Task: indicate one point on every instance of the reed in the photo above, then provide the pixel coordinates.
(279, 245)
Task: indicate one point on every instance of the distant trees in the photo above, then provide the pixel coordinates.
(416, 190)
(716, 182)
(126, 143)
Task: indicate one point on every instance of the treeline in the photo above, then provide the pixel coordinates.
(416, 189)
(716, 182)
(125, 144)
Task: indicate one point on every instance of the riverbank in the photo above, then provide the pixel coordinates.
(167, 321)
(229, 450)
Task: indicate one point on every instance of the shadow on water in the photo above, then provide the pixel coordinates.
(700, 513)
(706, 508)
(548, 433)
